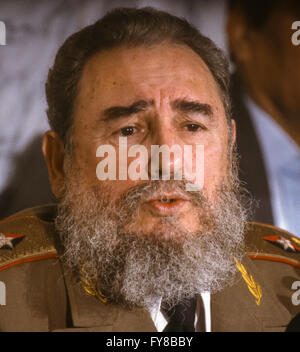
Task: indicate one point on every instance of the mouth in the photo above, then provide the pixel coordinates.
(166, 205)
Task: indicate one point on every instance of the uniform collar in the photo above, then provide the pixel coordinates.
(235, 307)
(90, 314)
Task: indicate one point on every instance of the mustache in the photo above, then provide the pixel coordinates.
(159, 189)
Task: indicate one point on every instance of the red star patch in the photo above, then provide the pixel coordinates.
(8, 240)
(283, 243)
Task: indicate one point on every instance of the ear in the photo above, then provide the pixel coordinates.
(233, 133)
(239, 36)
(54, 153)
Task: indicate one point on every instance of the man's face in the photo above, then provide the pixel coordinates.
(141, 241)
(162, 79)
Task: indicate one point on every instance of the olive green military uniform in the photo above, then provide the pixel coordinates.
(38, 293)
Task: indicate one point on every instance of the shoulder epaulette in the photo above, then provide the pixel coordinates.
(268, 242)
(27, 236)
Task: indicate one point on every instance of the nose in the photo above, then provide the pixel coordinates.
(165, 160)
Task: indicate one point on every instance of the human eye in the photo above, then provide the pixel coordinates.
(127, 131)
(134, 132)
(193, 127)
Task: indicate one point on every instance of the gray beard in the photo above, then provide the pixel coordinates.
(135, 270)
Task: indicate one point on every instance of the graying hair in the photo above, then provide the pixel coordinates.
(124, 27)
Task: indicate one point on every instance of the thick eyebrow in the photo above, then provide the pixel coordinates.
(115, 112)
(192, 106)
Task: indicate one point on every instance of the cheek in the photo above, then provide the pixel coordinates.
(87, 160)
(115, 166)
(85, 163)
(215, 166)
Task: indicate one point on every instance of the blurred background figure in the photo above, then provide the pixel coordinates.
(266, 105)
